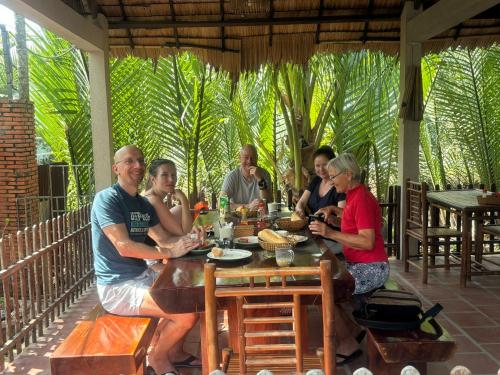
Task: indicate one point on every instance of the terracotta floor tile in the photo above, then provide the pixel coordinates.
(466, 345)
(492, 311)
(457, 305)
(477, 363)
(464, 309)
(467, 319)
(486, 335)
(493, 349)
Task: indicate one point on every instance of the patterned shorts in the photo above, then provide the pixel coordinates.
(368, 276)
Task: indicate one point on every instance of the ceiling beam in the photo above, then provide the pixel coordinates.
(222, 31)
(124, 16)
(444, 15)
(62, 20)
(252, 22)
(318, 26)
(172, 17)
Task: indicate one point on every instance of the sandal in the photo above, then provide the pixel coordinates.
(187, 363)
(348, 358)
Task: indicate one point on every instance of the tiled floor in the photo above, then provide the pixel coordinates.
(471, 315)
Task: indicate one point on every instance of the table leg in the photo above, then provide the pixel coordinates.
(434, 243)
(479, 241)
(204, 346)
(466, 249)
(232, 320)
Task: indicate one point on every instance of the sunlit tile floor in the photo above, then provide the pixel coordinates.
(471, 316)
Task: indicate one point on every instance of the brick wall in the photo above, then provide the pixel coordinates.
(18, 167)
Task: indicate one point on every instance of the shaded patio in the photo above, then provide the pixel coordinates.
(470, 315)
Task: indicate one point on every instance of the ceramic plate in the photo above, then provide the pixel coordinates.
(247, 241)
(231, 255)
(204, 249)
(297, 237)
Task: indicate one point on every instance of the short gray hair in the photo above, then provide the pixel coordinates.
(346, 162)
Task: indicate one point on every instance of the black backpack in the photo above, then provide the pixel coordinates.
(396, 310)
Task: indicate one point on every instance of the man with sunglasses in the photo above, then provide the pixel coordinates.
(121, 219)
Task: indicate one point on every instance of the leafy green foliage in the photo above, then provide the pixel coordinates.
(180, 108)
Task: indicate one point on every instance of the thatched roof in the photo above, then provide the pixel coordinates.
(241, 34)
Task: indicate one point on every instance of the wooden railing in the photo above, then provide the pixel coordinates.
(43, 269)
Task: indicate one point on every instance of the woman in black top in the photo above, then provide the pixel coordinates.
(320, 192)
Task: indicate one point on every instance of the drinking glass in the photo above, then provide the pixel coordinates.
(284, 257)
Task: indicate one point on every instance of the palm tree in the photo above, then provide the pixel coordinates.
(180, 108)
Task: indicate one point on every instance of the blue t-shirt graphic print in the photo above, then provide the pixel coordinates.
(115, 206)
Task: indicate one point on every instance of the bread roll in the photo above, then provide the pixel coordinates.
(271, 236)
(217, 252)
(295, 216)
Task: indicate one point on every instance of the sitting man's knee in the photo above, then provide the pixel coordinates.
(187, 320)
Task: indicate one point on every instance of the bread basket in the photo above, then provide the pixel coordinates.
(250, 213)
(269, 246)
(291, 226)
(243, 231)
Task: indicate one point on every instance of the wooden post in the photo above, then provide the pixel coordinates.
(408, 154)
(211, 318)
(327, 304)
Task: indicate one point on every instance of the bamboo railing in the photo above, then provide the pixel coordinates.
(43, 269)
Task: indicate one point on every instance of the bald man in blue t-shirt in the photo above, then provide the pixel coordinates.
(120, 219)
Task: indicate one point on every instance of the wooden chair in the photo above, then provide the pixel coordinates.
(417, 226)
(493, 230)
(274, 293)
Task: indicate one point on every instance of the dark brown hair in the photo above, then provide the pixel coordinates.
(325, 151)
(153, 170)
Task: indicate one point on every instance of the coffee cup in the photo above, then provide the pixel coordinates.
(284, 257)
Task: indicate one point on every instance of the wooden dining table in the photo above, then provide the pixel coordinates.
(465, 204)
(179, 287)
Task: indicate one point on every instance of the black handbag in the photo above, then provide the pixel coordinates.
(396, 310)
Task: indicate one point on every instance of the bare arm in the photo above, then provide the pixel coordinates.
(126, 247)
(364, 240)
(187, 218)
(302, 203)
(167, 219)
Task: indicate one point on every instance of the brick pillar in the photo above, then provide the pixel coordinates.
(18, 167)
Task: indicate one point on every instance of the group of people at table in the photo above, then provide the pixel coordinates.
(129, 228)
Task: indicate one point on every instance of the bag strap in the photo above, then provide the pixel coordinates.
(432, 312)
(402, 326)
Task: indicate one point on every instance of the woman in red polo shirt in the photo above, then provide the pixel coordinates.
(362, 243)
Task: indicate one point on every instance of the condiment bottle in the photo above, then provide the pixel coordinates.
(244, 213)
(261, 210)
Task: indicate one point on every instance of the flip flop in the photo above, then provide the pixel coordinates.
(187, 363)
(348, 358)
(151, 371)
(360, 336)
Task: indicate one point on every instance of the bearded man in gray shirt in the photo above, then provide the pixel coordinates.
(248, 183)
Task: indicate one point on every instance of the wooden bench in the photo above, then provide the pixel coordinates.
(389, 351)
(104, 344)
